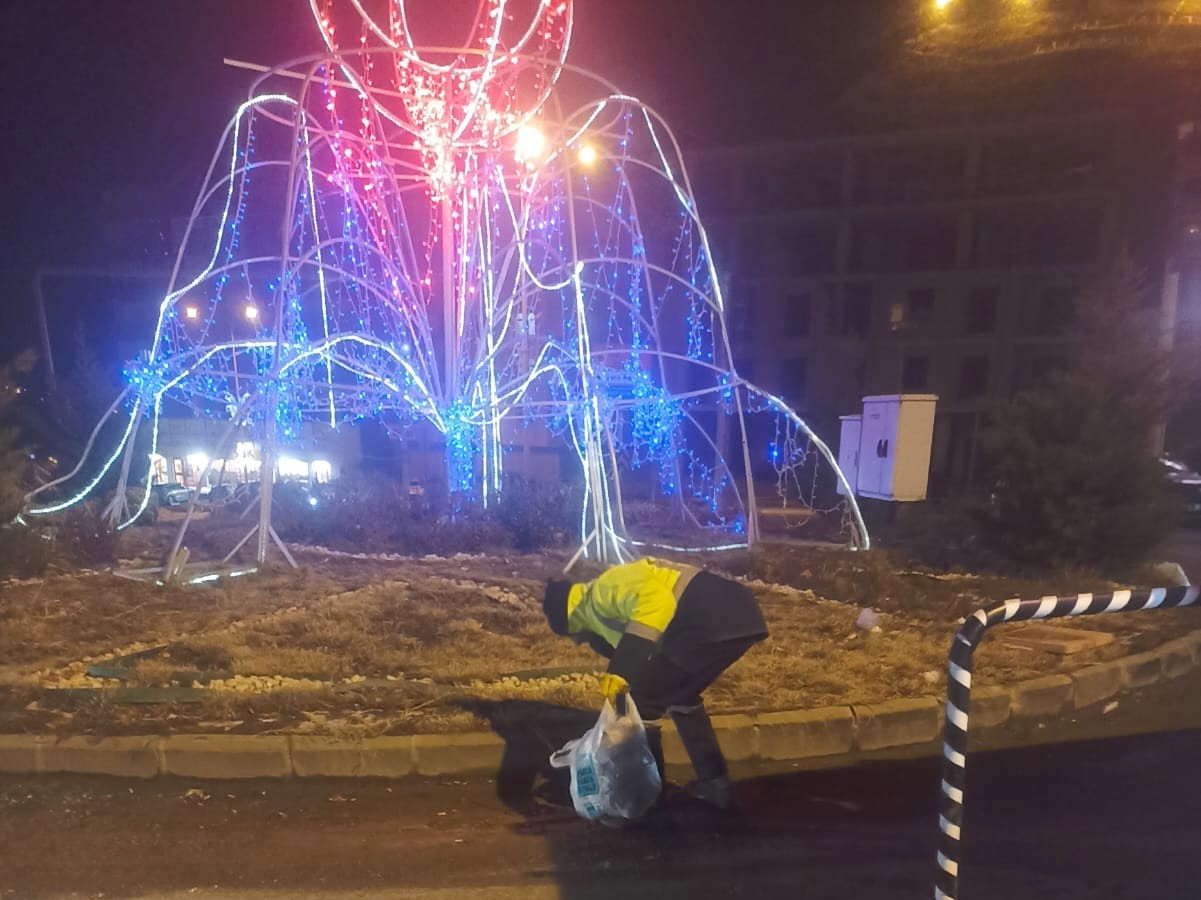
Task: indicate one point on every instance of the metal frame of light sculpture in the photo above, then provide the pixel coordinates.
(411, 259)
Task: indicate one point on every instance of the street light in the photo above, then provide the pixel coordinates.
(531, 144)
(252, 312)
(191, 313)
(587, 155)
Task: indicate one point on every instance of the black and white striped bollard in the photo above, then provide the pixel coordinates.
(959, 689)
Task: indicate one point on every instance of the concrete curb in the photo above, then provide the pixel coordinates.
(771, 736)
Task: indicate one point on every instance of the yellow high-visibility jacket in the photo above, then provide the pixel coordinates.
(640, 609)
(638, 598)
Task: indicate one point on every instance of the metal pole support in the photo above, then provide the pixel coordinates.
(959, 690)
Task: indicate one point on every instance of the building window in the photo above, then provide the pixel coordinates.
(1031, 373)
(851, 315)
(743, 306)
(915, 373)
(916, 313)
(997, 240)
(797, 323)
(1050, 313)
(920, 306)
(973, 377)
(931, 245)
(1045, 368)
(1070, 237)
(981, 313)
(794, 379)
(811, 251)
(911, 244)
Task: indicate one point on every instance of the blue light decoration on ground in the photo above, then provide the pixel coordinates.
(435, 239)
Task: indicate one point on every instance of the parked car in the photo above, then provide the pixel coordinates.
(297, 494)
(1186, 488)
(216, 493)
(244, 495)
(172, 494)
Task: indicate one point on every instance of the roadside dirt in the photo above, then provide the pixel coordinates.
(375, 645)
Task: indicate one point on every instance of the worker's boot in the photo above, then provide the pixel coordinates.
(696, 732)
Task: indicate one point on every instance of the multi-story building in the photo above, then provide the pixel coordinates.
(944, 261)
(940, 260)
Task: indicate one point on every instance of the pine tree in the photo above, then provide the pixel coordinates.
(13, 453)
(1077, 481)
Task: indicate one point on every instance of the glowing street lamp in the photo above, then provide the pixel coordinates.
(252, 312)
(191, 313)
(587, 155)
(531, 144)
(942, 4)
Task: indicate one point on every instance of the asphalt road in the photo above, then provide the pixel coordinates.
(1114, 818)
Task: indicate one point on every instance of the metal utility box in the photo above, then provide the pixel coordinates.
(885, 452)
(848, 451)
(894, 447)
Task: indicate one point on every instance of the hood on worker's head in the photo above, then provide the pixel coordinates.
(554, 604)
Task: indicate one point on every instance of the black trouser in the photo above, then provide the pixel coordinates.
(667, 687)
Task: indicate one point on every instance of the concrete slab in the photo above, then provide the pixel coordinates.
(898, 723)
(451, 754)
(1057, 639)
(990, 707)
(1095, 684)
(1141, 669)
(736, 735)
(19, 753)
(1177, 656)
(226, 756)
(807, 733)
(325, 757)
(1040, 697)
(124, 757)
(388, 757)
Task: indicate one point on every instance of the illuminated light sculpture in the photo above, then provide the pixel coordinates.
(428, 237)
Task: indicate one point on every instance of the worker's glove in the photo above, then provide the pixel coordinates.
(613, 686)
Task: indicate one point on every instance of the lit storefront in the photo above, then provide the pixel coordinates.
(186, 446)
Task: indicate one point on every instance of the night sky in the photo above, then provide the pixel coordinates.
(103, 95)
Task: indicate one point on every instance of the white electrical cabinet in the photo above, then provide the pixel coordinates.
(848, 451)
(891, 456)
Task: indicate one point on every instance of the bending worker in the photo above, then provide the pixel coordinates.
(668, 630)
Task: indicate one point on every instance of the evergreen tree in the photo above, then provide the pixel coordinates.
(1077, 480)
(13, 452)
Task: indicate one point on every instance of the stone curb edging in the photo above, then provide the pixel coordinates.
(772, 736)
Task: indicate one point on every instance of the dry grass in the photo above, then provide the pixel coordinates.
(421, 629)
(431, 642)
(70, 617)
(151, 673)
(816, 656)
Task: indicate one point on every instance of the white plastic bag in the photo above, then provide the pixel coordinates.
(614, 778)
